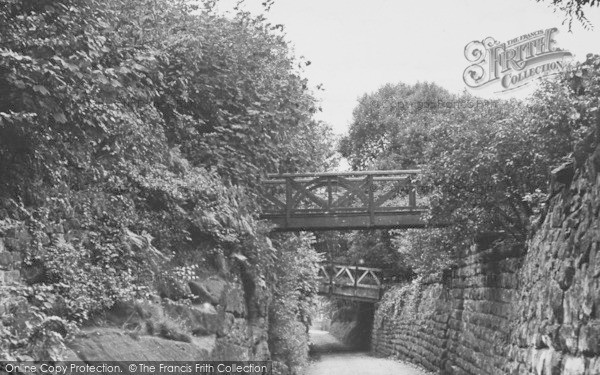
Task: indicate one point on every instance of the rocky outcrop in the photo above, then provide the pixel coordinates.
(198, 319)
(109, 344)
(215, 327)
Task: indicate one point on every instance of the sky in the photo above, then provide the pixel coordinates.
(355, 47)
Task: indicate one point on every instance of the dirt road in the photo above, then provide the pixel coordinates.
(333, 358)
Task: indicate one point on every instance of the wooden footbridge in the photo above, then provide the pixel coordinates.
(344, 201)
(349, 200)
(350, 282)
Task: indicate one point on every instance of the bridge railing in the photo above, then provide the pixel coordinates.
(344, 275)
(369, 192)
(350, 282)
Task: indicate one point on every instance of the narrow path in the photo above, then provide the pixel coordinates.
(334, 358)
(322, 342)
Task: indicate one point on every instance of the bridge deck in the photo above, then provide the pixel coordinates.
(339, 221)
(349, 200)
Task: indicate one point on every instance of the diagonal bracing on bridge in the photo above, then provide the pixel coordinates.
(350, 282)
(346, 200)
(340, 201)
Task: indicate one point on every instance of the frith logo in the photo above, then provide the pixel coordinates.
(514, 63)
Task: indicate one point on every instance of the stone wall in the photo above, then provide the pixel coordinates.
(13, 240)
(456, 323)
(502, 311)
(557, 310)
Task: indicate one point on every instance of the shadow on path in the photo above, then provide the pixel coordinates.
(322, 342)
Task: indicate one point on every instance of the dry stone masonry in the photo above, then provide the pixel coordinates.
(557, 310)
(12, 243)
(507, 310)
(457, 323)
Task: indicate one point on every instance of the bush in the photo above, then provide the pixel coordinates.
(132, 138)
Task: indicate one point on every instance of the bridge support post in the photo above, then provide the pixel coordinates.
(412, 197)
(371, 202)
(289, 205)
(355, 279)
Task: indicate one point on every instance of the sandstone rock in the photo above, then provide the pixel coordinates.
(225, 350)
(116, 345)
(207, 343)
(594, 367)
(226, 321)
(261, 351)
(70, 356)
(550, 336)
(537, 361)
(536, 340)
(200, 319)
(564, 173)
(565, 275)
(259, 334)
(548, 362)
(132, 314)
(574, 366)
(280, 368)
(568, 336)
(239, 332)
(589, 339)
(567, 310)
(588, 295)
(555, 302)
(234, 300)
(557, 217)
(594, 260)
(209, 290)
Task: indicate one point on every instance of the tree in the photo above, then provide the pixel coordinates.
(389, 129)
(573, 9)
(140, 129)
(486, 163)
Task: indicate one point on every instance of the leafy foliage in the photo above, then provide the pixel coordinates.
(485, 163)
(132, 137)
(383, 121)
(391, 129)
(293, 301)
(574, 9)
(27, 332)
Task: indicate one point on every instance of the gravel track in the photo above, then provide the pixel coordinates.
(333, 358)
